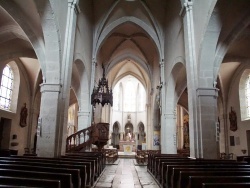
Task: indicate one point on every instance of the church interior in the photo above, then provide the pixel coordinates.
(165, 75)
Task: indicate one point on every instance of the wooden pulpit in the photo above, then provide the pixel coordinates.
(100, 135)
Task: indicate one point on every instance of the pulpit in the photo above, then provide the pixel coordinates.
(100, 134)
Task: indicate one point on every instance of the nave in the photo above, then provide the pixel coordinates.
(125, 173)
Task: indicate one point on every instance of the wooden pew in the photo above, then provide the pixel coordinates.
(156, 167)
(172, 174)
(76, 179)
(226, 185)
(93, 161)
(152, 156)
(177, 172)
(89, 164)
(95, 171)
(29, 182)
(165, 171)
(65, 179)
(139, 157)
(197, 181)
(111, 155)
(184, 175)
(98, 154)
(95, 167)
(85, 178)
(16, 186)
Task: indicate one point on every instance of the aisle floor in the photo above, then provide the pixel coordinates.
(125, 174)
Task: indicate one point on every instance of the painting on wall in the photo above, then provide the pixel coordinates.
(156, 139)
(233, 120)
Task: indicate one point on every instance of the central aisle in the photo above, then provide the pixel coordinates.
(126, 174)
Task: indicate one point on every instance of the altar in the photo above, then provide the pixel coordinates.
(126, 146)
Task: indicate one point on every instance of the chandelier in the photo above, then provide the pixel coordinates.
(102, 94)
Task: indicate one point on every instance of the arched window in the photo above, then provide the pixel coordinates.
(6, 88)
(244, 95)
(247, 95)
(141, 98)
(129, 95)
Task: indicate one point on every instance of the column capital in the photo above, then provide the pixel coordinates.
(207, 92)
(170, 116)
(162, 63)
(187, 6)
(94, 63)
(74, 5)
(83, 113)
(44, 87)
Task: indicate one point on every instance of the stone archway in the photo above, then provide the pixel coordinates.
(141, 135)
(116, 135)
(129, 131)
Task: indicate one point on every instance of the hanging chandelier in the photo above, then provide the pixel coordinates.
(102, 94)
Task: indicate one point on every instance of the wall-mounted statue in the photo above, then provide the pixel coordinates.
(233, 120)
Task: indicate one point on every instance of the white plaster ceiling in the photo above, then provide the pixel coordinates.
(127, 49)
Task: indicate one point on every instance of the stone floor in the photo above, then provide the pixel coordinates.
(125, 173)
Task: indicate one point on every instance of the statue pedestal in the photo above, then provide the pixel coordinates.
(123, 144)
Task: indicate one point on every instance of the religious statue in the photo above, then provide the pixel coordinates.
(129, 136)
(233, 120)
(23, 116)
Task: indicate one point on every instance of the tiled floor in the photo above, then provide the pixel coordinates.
(125, 174)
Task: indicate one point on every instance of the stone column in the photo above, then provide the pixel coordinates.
(168, 144)
(31, 126)
(180, 128)
(225, 126)
(121, 135)
(192, 77)
(164, 130)
(149, 131)
(85, 109)
(92, 83)
(136, 139)
(47, 141)
(83, 119)
(222, 133)
(55, 129)
(66, 74)
(207, 116)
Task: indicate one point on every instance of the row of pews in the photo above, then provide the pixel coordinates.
(177, 171)
(141, 156)
(111, 155)
(74, 170)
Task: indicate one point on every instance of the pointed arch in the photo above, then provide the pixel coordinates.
(107, 30)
